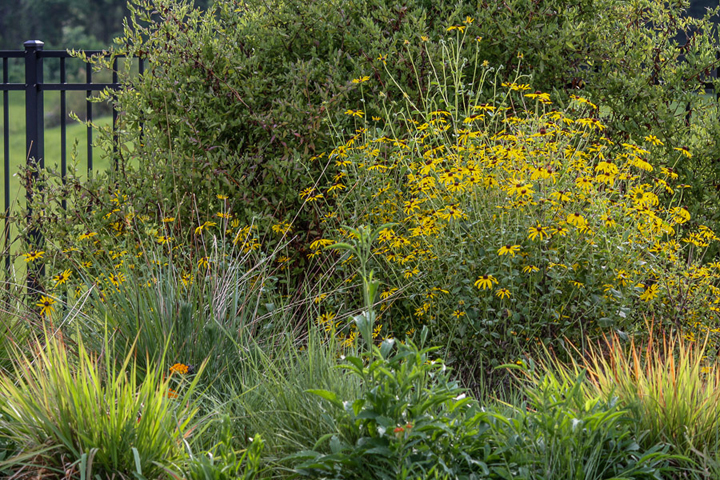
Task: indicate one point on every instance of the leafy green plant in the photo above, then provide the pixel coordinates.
(75, 411)
(561, 433)
(361, 245)
(410, 421)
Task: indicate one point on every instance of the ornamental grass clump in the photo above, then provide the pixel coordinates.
(73, 412)
(669, 383)
(518, 222)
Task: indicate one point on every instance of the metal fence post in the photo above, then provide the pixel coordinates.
(34, 139)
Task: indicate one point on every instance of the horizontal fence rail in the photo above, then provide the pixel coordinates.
(33, 85)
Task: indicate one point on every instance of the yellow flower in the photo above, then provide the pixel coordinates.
(361, 79)
(116, 279)
(538, 231)
(323, 242)
(503, 293)
(576, 219)
(459, 28)
(509, 249)
(61, 278)
(684, 151)
(33, 255)
(388, 293)
(85, 236)
(410, 272)
(168, 219)
(680, 215)
(222, 197)
(649, 293)
(46, 304)
(355, 113)
(458, 313)
(282, 228)
(530, 269)
(654, 140)
(202, 227)
(486, 282)
(376, 331)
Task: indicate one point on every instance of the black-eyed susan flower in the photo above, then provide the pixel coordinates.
(508, 250)
(116, 279)
(653, 139)
(62, 277)
(202, 227)
(486, 282)
(538, 230)
(46, 305)
(679, 215)
(649, 293)
(685, 151)
(33, 255)
(376, 331)
(576, 219)
(503, 293)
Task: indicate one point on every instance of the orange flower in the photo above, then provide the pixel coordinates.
(179, 368)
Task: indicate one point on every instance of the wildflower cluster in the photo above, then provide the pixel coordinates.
(517, 224)
(114, 240)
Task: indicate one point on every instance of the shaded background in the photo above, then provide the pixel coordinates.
(61, 24)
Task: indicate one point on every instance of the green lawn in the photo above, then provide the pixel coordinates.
(74, 132)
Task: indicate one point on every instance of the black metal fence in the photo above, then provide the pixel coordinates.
(34, 86)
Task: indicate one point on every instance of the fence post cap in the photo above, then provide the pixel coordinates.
(37, 44)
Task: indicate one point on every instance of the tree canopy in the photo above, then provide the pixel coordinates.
(64, 23)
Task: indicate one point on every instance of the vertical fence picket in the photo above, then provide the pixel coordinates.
(6, 164)
(34, 144)
(89, 119)
(63, 127)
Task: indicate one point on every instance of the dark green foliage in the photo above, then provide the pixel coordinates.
(413, 422)
(236, 101)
